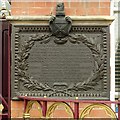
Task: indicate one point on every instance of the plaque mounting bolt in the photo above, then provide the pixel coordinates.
(76, 98)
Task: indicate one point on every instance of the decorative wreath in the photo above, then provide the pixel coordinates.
(34, 85)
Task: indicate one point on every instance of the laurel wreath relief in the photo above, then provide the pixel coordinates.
(34, 85)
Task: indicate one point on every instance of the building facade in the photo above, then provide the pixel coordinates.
(72, 8)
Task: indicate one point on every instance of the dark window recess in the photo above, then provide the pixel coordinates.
(4, 61)
(117, 69)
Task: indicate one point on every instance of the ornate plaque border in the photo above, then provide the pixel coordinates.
(20, 56)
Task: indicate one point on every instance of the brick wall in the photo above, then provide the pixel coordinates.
(19, 7)
(60, 112)
(71, 8)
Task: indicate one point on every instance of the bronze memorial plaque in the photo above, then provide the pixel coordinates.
(60, 60)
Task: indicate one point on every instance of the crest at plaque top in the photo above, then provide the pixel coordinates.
(60, 24)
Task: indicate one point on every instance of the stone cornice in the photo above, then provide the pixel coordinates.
(77, 20)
